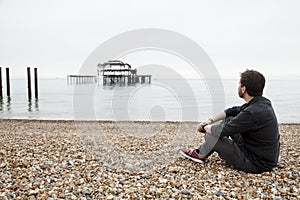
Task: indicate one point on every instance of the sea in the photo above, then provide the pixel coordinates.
(160, 100)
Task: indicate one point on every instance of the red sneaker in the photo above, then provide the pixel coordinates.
(193, 155)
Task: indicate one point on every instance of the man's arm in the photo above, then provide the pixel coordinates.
(210, 121)
(233, 111)
(217, 118)
(243, 122)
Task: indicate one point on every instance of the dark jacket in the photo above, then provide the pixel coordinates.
(257, 124)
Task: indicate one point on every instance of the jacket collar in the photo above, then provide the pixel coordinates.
(252, 101)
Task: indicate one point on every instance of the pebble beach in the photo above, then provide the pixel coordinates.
(53, 160)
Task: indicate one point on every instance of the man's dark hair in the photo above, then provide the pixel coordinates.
(253, 81)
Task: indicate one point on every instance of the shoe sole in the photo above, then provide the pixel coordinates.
(191, 158)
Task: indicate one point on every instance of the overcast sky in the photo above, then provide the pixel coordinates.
(57, 36)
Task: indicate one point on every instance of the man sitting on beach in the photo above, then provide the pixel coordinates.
(248, 136)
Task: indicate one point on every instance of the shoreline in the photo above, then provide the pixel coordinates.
(127, 121)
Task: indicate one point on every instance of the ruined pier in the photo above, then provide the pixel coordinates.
(117, 72)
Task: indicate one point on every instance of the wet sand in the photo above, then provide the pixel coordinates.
(68, 160)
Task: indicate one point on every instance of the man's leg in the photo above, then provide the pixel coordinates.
(229, 150)
(207, 147)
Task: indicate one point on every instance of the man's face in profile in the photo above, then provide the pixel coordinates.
(240, 91)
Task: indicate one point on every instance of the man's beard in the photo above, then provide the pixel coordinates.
(241, 93)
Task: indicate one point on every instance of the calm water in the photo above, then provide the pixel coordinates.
(172, 100)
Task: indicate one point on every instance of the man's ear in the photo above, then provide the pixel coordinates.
(244, 89)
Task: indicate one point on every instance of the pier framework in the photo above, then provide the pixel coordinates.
(81, 79)
(115, 71)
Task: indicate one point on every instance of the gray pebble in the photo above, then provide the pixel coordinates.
(184, 191)
(86, 192)
(219, 193)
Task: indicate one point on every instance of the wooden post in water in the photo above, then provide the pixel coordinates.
(29, 82)
(7, 82)
(35, 83)
(1, 94)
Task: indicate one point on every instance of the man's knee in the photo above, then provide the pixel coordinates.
(218, 143)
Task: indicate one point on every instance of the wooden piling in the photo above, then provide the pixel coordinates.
(7, 82)
(1, 94)
(129, 79)
(36, 83)
(28, 82)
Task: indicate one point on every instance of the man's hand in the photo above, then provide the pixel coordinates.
(208, 128)
(201, 126)
(204, 127)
